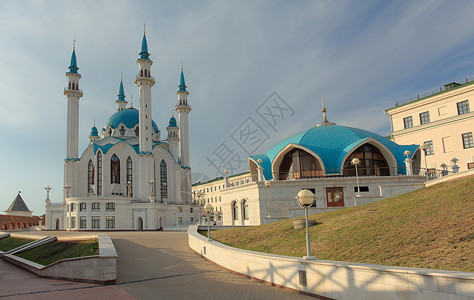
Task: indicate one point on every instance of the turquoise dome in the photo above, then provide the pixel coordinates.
(128, 117)
(172, 122)
(331, 143)
(94, 131)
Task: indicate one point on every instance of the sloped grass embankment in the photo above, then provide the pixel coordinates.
(429, 228)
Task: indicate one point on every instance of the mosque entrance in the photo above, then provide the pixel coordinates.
(57, 224)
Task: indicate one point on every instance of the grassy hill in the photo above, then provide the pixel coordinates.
(429, 228)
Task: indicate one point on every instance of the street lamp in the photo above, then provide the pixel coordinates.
(425, 147)
(355, 162)
(267, 185)
(208, 208)
(305, 199)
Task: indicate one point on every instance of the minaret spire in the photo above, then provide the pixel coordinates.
(325, 119)
(121, 102)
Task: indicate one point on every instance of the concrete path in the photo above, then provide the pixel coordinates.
(156, 265)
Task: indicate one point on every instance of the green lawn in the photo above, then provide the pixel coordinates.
(9, 243)
(428, 228)
(52, 252)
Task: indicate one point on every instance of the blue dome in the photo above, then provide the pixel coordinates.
(128, 117)
(94, 131)
(332, 143)
(173, 122)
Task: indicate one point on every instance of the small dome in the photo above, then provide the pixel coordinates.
(128, 117)
(94, 131)
(173, 122)
(331, 143)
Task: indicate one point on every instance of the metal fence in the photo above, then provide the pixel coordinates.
(432, 92)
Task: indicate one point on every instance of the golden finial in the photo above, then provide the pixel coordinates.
(144, 28)
(131, 101)
(94, 122)
(121, 74)
(74, 44)
(324, 106)
(172, 113)
(182, 65)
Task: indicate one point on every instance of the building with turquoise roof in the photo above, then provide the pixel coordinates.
(322, 159)
(128, 177)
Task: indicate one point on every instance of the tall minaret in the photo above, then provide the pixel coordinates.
(73, 94)
(121, 103)
(145, 81)
(183, 110)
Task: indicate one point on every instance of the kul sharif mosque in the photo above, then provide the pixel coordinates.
(127, 178)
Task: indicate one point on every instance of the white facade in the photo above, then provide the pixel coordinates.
(444, 121)
(128, 178)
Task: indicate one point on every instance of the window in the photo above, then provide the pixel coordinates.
(235, 210)
(299, 164)
(425, 117)
(429, 149)
(95, 206)
(109, 222)
(82, 222)
(467, 140)
(129, 174)
(245, 210)
(163, 180)
(180, 209)
(463, 107)
(362, 189)
(73, 222)
(115, 169)
(191, 210)
(95, 222)
(372, 162)
(470, 165)
(110, 206)
(82, 206)
(122, 131)
(99, 173)
(73, 206)
(408, 122)
(334, 196)
(137, 131)
(90, 177)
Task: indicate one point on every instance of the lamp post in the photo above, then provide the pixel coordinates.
(267, 185)
(305, 199)
(208, 208)
(425, 147)
(355, 162)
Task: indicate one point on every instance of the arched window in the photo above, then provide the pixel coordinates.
(122, 131)
(141, 73)
(129, 173)
(115, 169)
(69, 85)
(245, 210)
(99, 173)
(90, 177)
(163, 180)
(73, 86)
(371, 163)
(77, 86)
(137, 131)
(235, 210)
(145, 73)
(299, 164)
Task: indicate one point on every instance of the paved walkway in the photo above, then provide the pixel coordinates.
(152, 265)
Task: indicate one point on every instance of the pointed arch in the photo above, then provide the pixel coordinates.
(99, 173)
(90, 177)
(372, 162)
(163, 180)
(146, 73)
(114, 169)
(129, 173)
(73, 86)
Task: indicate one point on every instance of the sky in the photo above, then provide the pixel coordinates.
(259, 67)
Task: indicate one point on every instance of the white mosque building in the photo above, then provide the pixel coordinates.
(127, 178)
